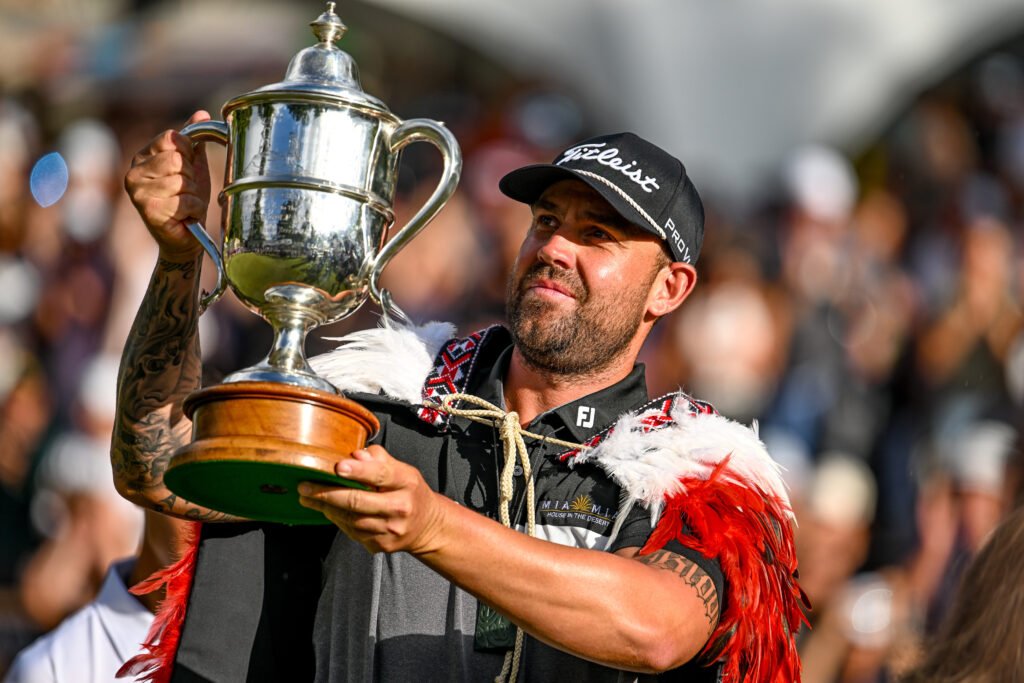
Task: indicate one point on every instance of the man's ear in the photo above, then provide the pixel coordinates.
(672, 285)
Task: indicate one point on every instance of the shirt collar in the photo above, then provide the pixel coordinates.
(595, 412)
(124, 618)
(577, 420)
(491, 385)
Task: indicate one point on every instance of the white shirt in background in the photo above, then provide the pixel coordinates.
(91, 644)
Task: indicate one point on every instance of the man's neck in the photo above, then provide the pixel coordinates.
(531, 392)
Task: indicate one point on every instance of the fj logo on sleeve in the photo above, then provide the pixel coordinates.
(585, 417)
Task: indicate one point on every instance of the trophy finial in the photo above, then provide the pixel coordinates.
(328, 27)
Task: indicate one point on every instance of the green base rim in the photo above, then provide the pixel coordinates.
(261, 491)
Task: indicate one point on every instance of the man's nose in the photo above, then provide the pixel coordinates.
(559, 251)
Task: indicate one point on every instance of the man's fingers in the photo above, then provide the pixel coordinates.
(168, 162)
(168, 141)
(390, 516)
(165, 187)
(171, 141)
(183, 142)
(170, 212)
(172, 206)
(376, 452)
(171, 144)
(163, 163)
(372, 466)
(356, 501)
(190, 206)
(183, 145)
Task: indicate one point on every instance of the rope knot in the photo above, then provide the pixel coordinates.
(509, 426)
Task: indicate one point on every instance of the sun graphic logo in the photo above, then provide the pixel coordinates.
(581, 503)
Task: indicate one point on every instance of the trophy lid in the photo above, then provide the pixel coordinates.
(323, 69)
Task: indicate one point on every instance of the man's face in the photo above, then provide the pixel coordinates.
(579, 289)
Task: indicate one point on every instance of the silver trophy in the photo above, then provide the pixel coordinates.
(310, 180)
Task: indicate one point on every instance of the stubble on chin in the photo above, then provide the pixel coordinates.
(543, 331)
(580, 338)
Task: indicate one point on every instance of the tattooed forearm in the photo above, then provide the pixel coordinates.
(159, 368)
(690, 572)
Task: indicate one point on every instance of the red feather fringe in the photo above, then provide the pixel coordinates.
(748, 531)
(156, 661)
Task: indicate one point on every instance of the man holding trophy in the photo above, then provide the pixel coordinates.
(524, 510)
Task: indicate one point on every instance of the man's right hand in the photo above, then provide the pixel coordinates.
(169, 182)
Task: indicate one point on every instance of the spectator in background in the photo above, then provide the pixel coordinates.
(435, 274)
(816, 275)
(839, 506)
(87, 523)
(732, 340)
(92, 530)
(978, 458)
(498, 222)
(962, 352)
(26, 411)
(78, 275)
(832, 544)
(19, 141)
(872, 626)
(980, 639)
(94, 642)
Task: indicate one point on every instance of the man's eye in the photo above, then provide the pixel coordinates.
(546, 221)
(599, 234)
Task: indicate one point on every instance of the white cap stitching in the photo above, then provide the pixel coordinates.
(625, 196)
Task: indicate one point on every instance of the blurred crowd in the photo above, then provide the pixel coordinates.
(866, 311)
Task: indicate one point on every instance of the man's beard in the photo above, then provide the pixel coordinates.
(579, 342)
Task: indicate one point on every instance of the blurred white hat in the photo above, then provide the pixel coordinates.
(977, 455)
(97, 390)
(843, 492)
(822, 182)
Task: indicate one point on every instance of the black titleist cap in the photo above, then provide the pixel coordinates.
(644, 183)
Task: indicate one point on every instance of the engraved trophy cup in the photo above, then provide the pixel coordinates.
(310, 179)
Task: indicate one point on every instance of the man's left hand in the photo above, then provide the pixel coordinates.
(398, 512)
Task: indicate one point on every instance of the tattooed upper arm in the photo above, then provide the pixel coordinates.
(692, 573)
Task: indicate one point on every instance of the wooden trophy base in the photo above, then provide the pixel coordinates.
(255, 442)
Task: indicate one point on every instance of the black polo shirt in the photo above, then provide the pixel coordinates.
(388, 617)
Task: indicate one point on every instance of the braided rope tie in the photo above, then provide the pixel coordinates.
(515, 448)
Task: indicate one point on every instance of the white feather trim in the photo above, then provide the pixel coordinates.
(650, 466)
(393, 359)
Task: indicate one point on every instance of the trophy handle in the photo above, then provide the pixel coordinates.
(417, 130)
(208, 131)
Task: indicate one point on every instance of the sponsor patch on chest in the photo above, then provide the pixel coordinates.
(580, 510)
